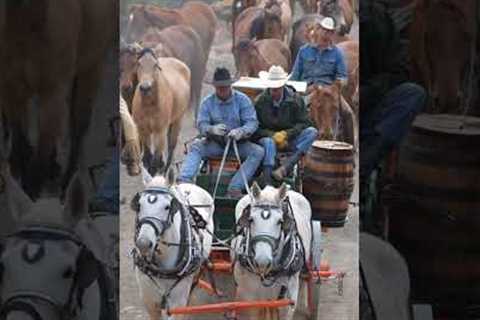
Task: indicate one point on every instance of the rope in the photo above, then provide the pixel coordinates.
(222, 164)
(245, 181)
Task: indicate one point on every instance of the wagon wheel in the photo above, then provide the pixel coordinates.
(315, 260)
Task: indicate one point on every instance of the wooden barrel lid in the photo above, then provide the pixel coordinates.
(332, 145)
(448, 124)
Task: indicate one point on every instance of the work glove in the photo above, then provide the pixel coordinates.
(281, 139)
(236, 134)
(218, 130)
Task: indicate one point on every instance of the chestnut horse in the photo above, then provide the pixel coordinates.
(255, 56)
(443, 45)
(301, 32)
(334, 120)
(256, 23)
(159, 104)
(198, 15)
(183, 43)
(51, 72)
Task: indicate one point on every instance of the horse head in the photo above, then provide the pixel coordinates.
(273, 23)
(325, 104)
(147, 71)
(128, 67)
(449, 38)
(158, 218)
(268, 221)
(45, 266)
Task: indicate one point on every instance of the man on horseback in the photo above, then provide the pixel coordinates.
(283, 124)
(321, 63)
(225, 114)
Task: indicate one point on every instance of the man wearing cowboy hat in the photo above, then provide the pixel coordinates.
(321, 62)
(225, 114)
(283, 123)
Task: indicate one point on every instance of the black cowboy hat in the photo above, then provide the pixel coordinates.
(222, 77)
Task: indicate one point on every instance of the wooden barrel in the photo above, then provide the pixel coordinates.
(329, 180)
(436, 223)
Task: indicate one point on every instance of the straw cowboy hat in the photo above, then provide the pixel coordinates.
(276, 77)
(328, 23)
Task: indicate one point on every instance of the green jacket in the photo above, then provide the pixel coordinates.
(291, 116)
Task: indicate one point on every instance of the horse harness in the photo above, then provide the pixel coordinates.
(191, 252)
(88, 270)
(287, 261)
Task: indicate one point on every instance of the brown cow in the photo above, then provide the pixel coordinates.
(255, 56)
(301, 32)
(198, 15)
(442, 51)
(256, 23)
(159, 104)
(183, 43)
(51, 71)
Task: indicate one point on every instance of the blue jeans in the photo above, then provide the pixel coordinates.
(250, 153)
(301, 143)
(108, 192)
(384, 128)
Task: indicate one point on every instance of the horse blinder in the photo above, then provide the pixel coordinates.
(244, 220)
(135, 203)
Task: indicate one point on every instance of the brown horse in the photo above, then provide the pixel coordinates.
(351, 52)
(302, 32)
(282, 9)
(51, 72)
(340, 10)
(256, 23)
(255, 56)
(335, 120)
(442, 38)
(159, 104)
(199, 16)
(183, 43)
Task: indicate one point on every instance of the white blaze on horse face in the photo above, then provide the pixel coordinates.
(266, 224)
(46, 267)
(151, 205)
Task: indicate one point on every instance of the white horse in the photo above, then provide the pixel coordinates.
(52, 261)
(273, 245)
(171, 242)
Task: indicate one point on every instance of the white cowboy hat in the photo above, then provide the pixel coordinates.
(328, 23)
(276, 77)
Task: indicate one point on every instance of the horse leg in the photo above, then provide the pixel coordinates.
(159, 141)
(173, 133)
(52, 115)
(15, 122)
(85, 91)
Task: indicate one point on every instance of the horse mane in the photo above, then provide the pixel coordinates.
(47, 212)
(257, 29)
(269, 195)
(145, 51)
(158, 181)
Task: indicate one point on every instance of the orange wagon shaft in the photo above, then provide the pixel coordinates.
(231, 306)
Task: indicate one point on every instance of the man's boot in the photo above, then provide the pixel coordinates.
(284, 170)
(267, 175)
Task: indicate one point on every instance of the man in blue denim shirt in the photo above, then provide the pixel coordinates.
(321, 63)
(225, 114)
